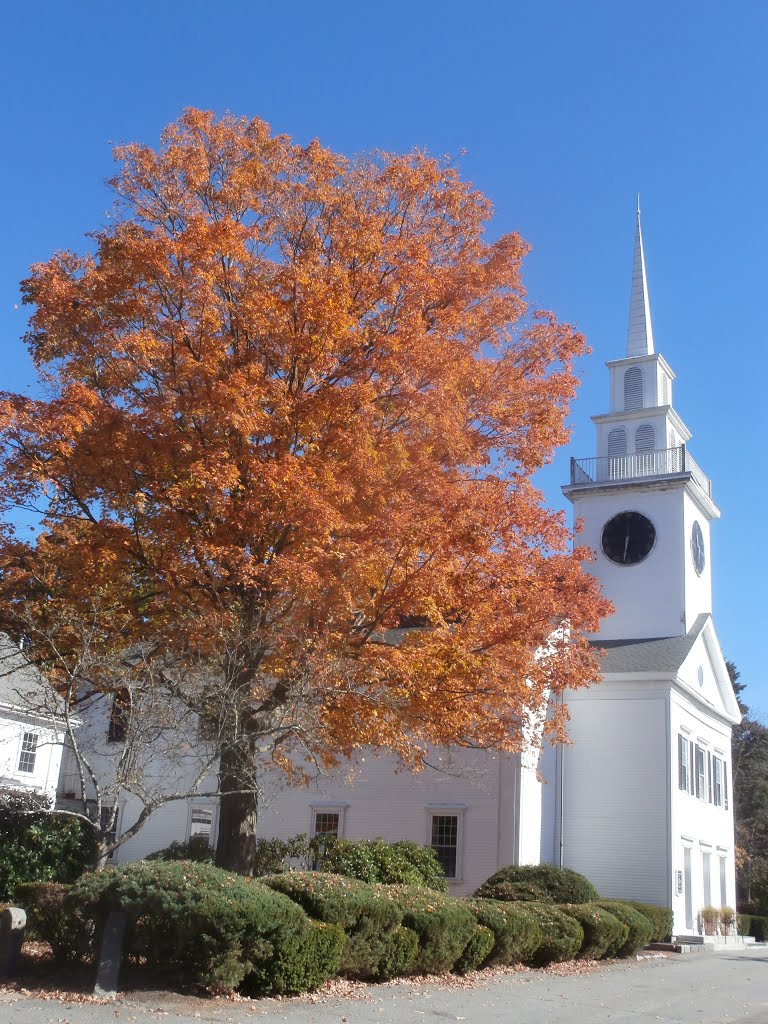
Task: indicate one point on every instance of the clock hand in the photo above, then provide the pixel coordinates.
(626, 545)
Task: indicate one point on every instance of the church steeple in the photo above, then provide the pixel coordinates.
(640, 331)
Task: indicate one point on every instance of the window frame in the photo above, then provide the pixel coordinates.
(28, 749)
(449, 811)
(197, 807)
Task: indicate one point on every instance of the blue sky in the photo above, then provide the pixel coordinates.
(565, 108)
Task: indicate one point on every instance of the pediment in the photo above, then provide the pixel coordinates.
(704, 675)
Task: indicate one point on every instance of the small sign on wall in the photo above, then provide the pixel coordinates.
(679, 883)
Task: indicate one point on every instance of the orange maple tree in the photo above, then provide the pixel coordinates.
(294, 405)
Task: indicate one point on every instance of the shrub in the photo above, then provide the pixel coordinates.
(516, 931)
(661, 918)
(47, 922)
(476, 951)
(727, 919)
(368, 919)
(374, 860)
(196, 849)
(301, 965)
(271, 856)
(540, 883)
(41, 846)
(210, 927)
(444, 924)
(561, 936)
(638, 925)
(757, 927)
(604, 934)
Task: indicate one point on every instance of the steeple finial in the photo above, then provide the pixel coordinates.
(640, 332)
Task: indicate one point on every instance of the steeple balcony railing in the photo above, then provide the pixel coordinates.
(638, 466)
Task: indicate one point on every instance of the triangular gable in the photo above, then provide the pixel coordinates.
(703, 673)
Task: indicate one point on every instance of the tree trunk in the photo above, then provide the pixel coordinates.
(238, 814)
(100, 855)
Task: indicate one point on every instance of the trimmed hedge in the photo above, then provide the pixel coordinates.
(208, 926)
(375, 946)
(444, 924)
(540, 883)
(46, 921)
(299, 966)
(661, 918)
(561, 936)
(604, 934)
(517, 934)
(374, 860)
(639, 926)
(476, 951)
(754, 925)
(42, 847)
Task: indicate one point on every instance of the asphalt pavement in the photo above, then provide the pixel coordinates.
(696, 988)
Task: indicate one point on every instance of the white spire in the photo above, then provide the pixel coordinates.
(640, 332)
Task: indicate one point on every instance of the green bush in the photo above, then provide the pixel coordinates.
(540, 883)
(208, 926)
(516, 931)
(41, 847)
(301, 965)
(368, 919)
(476, 951)
(196, 849)
(639, 927)
(374, 860)
(47, 922)
(756, 926)
(604, 934)
(444, 924)
(561, 936)
(661, 918)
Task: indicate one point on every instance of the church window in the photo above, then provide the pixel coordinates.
(633, 388)
(683, 764)
(617, 441)
(28, 754)
(717, 781)
(700, 772)
(444, 840)
(118, 719)
(201, 823)
(326, 823)
(645, 438)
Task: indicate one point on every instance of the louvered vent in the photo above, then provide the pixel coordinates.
(617, 441)
(645, 438)
(665, 389)
(633, 388)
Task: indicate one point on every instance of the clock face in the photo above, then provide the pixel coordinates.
(628, 538)
(697, 549)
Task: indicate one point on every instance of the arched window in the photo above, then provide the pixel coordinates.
(633, 388)
(645, 438)
(617, 441)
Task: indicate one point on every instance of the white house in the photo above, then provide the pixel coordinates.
(30, 736)
(640, 800)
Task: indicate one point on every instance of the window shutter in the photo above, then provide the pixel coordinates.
(691, 762)
(645, 438)
(617, 441)
(709, 776)
(725, 783)
(633, 388)
(681, 752)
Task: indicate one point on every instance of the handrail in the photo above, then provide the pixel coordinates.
(638, 466)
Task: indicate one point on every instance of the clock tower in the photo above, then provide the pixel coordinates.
(645, 505)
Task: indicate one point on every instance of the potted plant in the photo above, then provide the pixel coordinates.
(710, 917)
(727, 920)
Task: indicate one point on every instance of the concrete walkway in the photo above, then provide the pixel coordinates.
(706, 988)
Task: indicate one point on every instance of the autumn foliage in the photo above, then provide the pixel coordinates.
(294, 402)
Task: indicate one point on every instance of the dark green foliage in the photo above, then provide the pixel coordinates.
(271, 855)
(541, 883)
(299, 966)
(444, 924)
(476, 951)
(561, 936)
(755, 926)
(604, 934)
(374, 860)
(208, 926)
(368, 919)
(749, 744)
(661, 918)
(399, 952)
(41, 847)
(516, 931)
(196, 849)
(47, 922)
(639, 926)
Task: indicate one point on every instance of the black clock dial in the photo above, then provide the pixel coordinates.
(697, 549)
(628, 538)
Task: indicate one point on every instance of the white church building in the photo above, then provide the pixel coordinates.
(640, 800)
